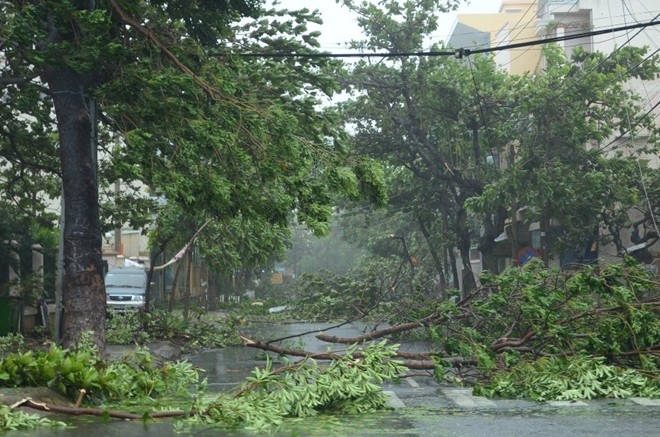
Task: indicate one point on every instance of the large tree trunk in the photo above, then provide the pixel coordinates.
(84, 291)
(463, 243)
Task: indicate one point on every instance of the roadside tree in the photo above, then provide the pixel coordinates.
(181, 111)
(426, 117)
(579, 144)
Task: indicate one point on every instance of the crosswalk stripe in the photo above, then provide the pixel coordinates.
(393, 401)
(463, 398)
(647, 402)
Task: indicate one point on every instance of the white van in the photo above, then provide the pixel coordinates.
(125, 289)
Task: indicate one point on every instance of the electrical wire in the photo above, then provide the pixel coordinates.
(639, 165)
(481, 107)
(458, 53)
(566, 87)
(530, 23)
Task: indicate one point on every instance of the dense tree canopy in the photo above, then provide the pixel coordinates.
(424, 116)
(573, 130)
(179, 111)
(468, 146)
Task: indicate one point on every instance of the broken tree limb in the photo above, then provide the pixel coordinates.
(293, 352)
(433, 319)
(371, 335)
(417, 361)
(81, 395)
(430, 320)
(77, 411)
(512, 342)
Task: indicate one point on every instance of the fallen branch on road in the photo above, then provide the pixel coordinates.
(77, 411)
(417, 361)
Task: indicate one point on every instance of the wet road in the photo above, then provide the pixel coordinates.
(422, 407)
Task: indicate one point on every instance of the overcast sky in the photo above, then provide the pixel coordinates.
(339, 26)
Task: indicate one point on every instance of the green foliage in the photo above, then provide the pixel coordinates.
(11, 420)
(348, 385)
(570, 378)
(364, 289)
(193, 334)
(67, 371)
(547, 334)
(435, 143)
(567, 334)
(138, 378)
(243, 142)
(12, 343)
(467, 145)
(552, 168)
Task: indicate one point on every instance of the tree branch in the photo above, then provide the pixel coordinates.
(417, 361)
(28, 402)
(208, 89)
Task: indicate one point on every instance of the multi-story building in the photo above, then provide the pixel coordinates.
(574, 23)
(515, 22)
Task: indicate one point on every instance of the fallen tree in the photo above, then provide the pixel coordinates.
(136, 387)
(606, 314)
(532, 332)
(417, 361)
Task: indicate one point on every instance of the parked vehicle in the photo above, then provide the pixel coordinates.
(125, 289)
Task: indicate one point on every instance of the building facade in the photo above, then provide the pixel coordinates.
(572, 23)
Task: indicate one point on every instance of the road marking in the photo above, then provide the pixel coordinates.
(393, 400)
(647, 402)
(462, 397)
(412, 383)
(567, 403)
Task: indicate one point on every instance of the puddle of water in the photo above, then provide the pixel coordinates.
(367, 425)
(226, 367)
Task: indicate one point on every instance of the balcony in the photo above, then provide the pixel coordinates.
(567, 14)
(551, 7)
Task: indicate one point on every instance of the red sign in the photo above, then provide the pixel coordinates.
(525, 254)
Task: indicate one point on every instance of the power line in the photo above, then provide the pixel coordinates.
(567, 37)
(566, 86)
(532, 24)
(529, 25)
(459, 53)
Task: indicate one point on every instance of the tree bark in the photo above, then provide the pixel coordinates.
(83, 288)
(463, 243)
(422, 361)
(437, 262)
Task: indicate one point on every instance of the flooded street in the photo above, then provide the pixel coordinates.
(423, 407)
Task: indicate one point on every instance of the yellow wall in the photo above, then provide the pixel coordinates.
(515, 23)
